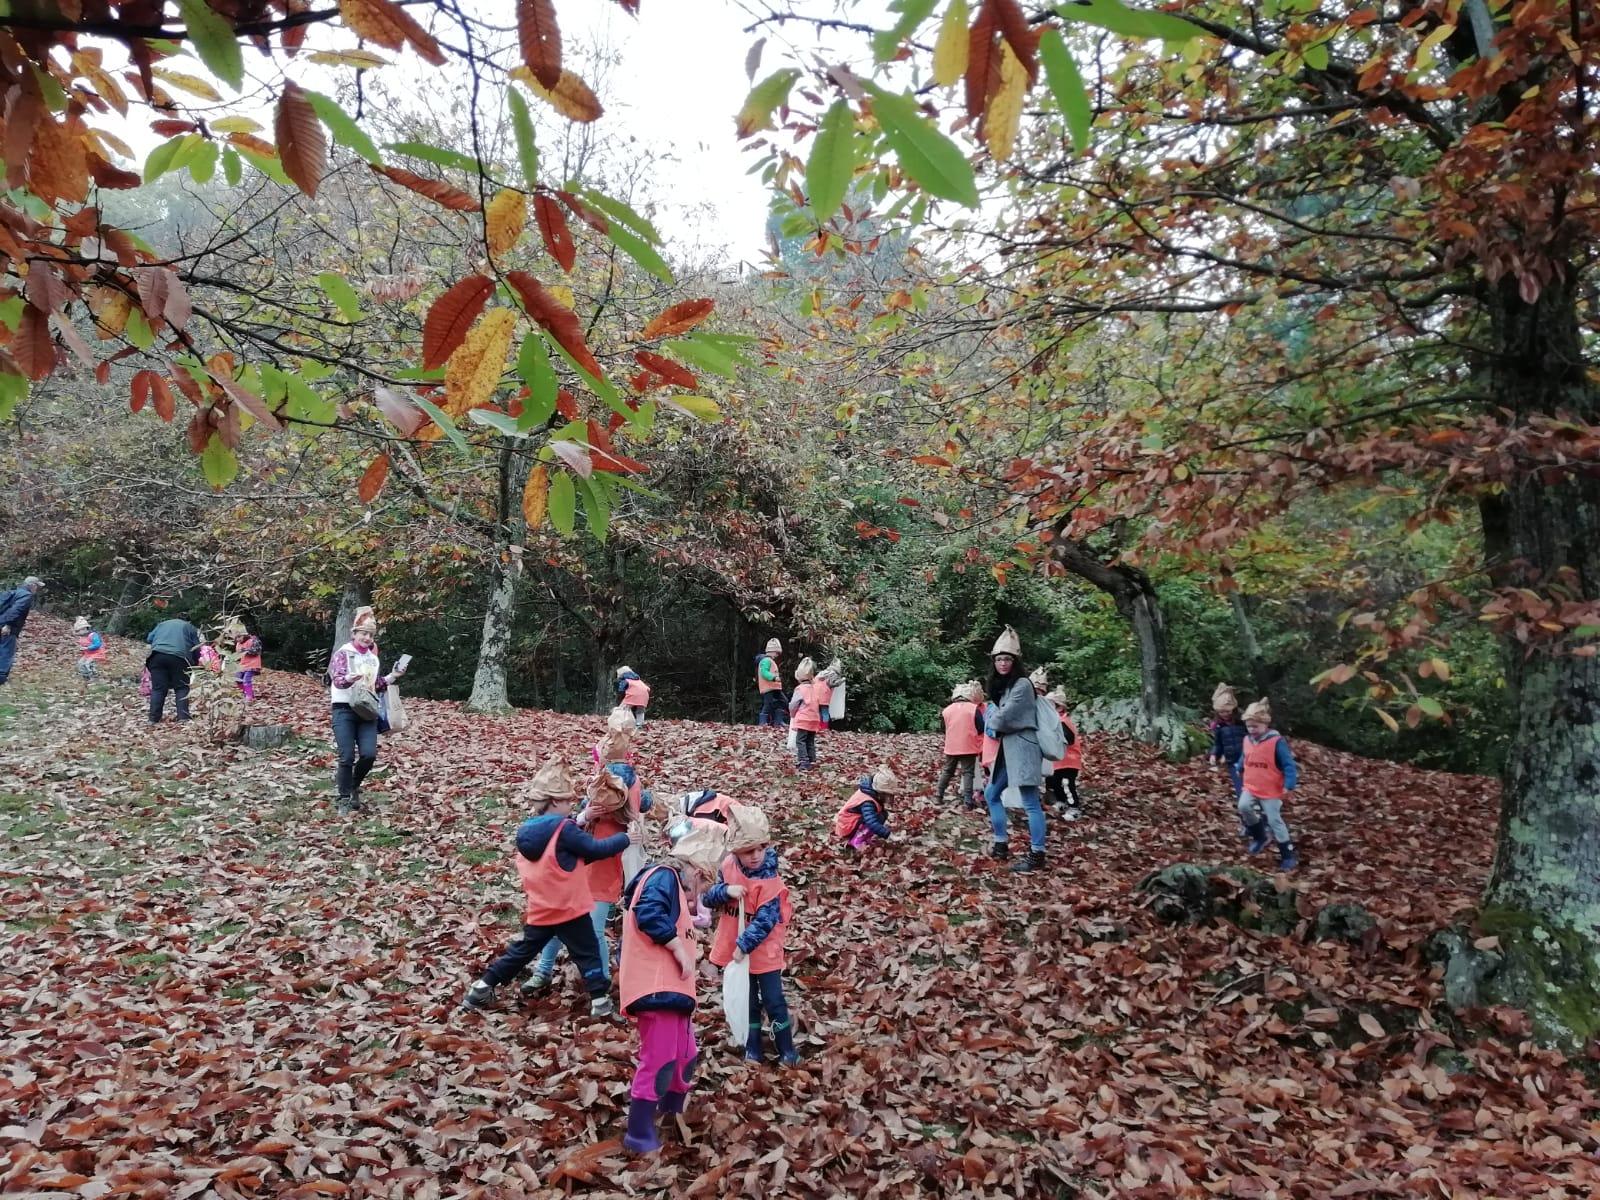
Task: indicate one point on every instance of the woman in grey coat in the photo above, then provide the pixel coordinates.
(1012, 718)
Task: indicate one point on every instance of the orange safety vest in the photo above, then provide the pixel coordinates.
(605, 876)
(808, 716)
(637, 695)
(88, 654)
(757, 892)
(960, 736)
(769, 685)
(648, 968)
(848, 821)
(714, 809)
(1074, 756)
(990, 746)
(554, 895)
(251, 661)
(1262, 779)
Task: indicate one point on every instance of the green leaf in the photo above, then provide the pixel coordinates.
(13, 389)
(11, 312)
(533, 365)
(496, 420)
(203, 163)
(137, 330)
(1130, 22)
(832, 161)
(442, 420)
(600, 386)
(159, 160)
(232, 168)
(763, 99)
(912, 13)
(305, 404)
(1430, 706)
(435, 154)
(562, 503)
(596, 505)
(267, 164)
(343, 128)
(1067, 85)
(522, 126)
(1316, 56)
(618, 211)
(641, 251)
(717, 353)
(342, 294)
(218, 463)
(926, 155)
(214, 41)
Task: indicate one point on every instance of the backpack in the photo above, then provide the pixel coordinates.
(1052, 739)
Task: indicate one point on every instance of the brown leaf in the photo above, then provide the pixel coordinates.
(390, 26)
(58, 163)
(1019, 35)
(32, 346)
(536, 497)
(450, 317)
(553, 228)
(540, 38)
(1372, 1025)
(672, 372)
(398, 411)
(555, 317)
(248, 400)
(983, 62)
(372, 479)
(302, 143)
(444, 194)
(161, 396)
(139, 389)
(680, 318)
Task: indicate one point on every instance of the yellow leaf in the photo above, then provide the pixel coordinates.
(110, 308)
(474, 370)
(1394, 726)
(349, 58)
(503, 220)
(703, 407)
(950, 51)
(536, 497)
(109, 142)
(87, 64)
(1003, 117)
(562, 293)
(234, 125)
(1440, 668)
(571, 96)
(192, 84)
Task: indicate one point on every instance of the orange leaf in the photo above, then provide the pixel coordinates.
(58, 164)
(32, 346)
(680, 318)
(536, 497)
(559, 320)
(571, 96)
(139, 389)
(663, 366)
(451, 316)
(1019, 35)
(553, 228)
(452, 198)
(372, 479)
(302, 144)
(983, 66)
(161, 396)
(540, 37)
(390, 26)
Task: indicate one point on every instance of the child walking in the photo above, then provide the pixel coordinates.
(864, 819)
(633, 694)
(1062, 784)
(749, 884)
(963, 740)
(91, 651)
(808, 713)
(248, 646)
(658, 976)
(552, 853)
(1270, 776)
(1227, 740)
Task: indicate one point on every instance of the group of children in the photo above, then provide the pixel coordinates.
(1262, 768)
(234, 638)
(966, 746)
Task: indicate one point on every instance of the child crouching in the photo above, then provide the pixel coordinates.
(864, 819)
(749, 883)
(658, 975)
(552, 859)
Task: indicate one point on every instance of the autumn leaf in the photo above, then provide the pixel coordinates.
(553, 228)
(983, 65)
(678, 318)
(536, 497)
(443, 194)
(540, 39)
(474, 370)
(768, 95)
(139, 389)
(302, 144)
(559, 320)
(32, 346)
(451, 316)
(950, 49)
(1018, 34)
(503, 220)
(1003, 117)
(372, 479)
(673, 372)
(58, 163)
(390, 26)
(571, 96)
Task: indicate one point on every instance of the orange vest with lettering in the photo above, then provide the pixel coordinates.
(769, 685)
(1262, 779)
(646, 967)
(1074, 756)
(637, 695)
(554, 895)
(960, 736)
(769, 955)
(990, 746)
(605, 876)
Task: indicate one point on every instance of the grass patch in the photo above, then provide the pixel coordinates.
(478, 857)
(175, 883)
(240, 991)
(30, 923)
(378, 834)
(226, 929)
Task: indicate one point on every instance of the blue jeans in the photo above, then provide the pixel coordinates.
(552, 949)
(774, 709)
(356, 739)
(1236, 772)
(997, 812)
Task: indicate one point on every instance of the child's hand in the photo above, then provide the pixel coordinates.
(739, 955)
(735, 891)
(680, 951)
(585, 818)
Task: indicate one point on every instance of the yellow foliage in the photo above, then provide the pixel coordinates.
(503, 220)
(536, 497)
(950, 50)
(110, 308)
(1003, 117)
(474, 370)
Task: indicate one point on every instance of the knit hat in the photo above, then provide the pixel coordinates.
(1058, 697)
(806, 670)
(747, 827)
(774, 646)
(621, 671)
(1007, 643)
(550, 782)
(885, 780)
(1259, 711)
(701, 847)
(1223, 699)
(1040, 680)
(81, 625)
(365, 619)
(607, 794)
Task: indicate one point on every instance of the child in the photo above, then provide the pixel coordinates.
(658, 975)
(619, 733)
(749, 881)
(248, 646)
(808, 712)
(1064, 771)
(708, 805)
(1270, 776)
(551, 858)
(864, 819)
(91, 650)
(1227, 739)
(769, 682)
(633, 693)
(963, 739)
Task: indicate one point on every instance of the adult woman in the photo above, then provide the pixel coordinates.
(355, 664)
(1013, 721)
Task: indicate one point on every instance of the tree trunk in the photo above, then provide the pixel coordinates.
(604, 694)
(1259, 674)
(489, 682)
(356, 595)
(1136, 600)
(1543, 532)
(117, 622)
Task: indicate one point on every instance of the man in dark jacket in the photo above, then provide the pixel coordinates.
(14, 608)
(172, 653)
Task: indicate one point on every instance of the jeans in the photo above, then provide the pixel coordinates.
(774, 708)
(351, 733)
(666, 1054)
(578, 937)
(805, 748)
(1030, 801)
(1252, 811)
(967, 763)
(766, 993)
(1062, 784)
(168, 673)
(1236, 772)
(552, 950)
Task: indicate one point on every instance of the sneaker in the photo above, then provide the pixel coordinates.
(791, 1060)
(602, 1006)
(1259, 837)
(479, 996)
(535, 983)
(344, 806)
(1069, 813)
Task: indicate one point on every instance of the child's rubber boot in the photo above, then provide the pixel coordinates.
(783, 1035)
(672, 1103)
(641, 1136)
(535, 983)
(755, 1049)
(1259, 837)
(1000, 851)
(479, 996)
(1030, 862)
(1288, 860)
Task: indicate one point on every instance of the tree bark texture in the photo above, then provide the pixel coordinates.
(489, 681)
(1135, 597)
(356, 595)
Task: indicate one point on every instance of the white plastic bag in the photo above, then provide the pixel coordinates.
(736, 994)
(633, 856)
(395, 710)
(794, 738)
(836, 704)
(1011, 797)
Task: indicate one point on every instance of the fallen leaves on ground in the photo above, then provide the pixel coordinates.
(217, 987)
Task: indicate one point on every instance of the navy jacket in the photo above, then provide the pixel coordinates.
(573, 845)
(622, 682)
(14, 607)
(766, 918)
(628, 777)
(873, 815)
(656, 910)
(1227, 739)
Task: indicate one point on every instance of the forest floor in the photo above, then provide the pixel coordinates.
(215, 986)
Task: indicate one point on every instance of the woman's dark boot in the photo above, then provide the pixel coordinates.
(1032, 861)
(1000, 850)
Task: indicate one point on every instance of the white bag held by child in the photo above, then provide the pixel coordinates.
(1011, 797)
(794, 738)
(1052, 738)
(633, 856)
(736, 994)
